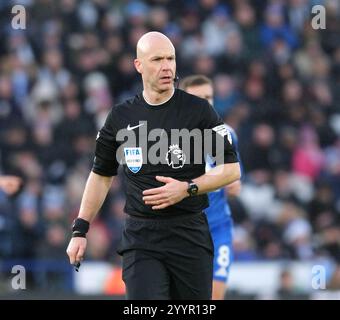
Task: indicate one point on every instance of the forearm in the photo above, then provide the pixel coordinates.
(95, 192)
(218, 177)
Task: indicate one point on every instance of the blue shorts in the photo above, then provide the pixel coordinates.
(223, 251)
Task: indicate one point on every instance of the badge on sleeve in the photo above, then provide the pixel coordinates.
(223, 131)
(133, 158)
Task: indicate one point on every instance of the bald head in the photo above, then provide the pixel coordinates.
(156, 62)
(153, 42)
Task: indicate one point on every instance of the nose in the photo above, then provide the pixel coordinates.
(165, 64)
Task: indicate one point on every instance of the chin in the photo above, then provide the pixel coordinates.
(167, 86)
(163, 88)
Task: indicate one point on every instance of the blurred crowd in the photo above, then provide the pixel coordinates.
(277, 83)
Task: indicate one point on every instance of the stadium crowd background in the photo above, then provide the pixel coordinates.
(277, 84)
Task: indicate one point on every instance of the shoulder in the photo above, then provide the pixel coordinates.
(190, 100)
(119, 112)
(125, 106)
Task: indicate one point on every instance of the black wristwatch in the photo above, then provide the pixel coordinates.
(192, 188)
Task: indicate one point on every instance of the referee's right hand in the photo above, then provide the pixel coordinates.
(76, 249)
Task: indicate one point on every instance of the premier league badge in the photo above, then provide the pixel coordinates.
(175, 157)
(133, 158)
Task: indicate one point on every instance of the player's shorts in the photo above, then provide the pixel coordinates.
(168, 258)
(223, 253)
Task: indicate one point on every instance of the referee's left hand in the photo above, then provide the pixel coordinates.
(172, 192)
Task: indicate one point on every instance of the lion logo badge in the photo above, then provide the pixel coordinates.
(175, 157)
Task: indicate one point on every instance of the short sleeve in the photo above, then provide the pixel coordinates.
(105, 162)
(218, 141)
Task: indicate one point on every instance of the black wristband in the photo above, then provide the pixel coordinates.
(77, 234)
(80, 225)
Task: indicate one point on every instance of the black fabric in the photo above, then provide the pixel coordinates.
(105, 162)
(182, 111)
(169, 258)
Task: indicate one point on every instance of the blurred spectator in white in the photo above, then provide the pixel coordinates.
(98, 100)
(53, 69)
(219, 26)
(297, 231)
(43, 104)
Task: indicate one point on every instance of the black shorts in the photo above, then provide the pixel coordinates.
(168, 258)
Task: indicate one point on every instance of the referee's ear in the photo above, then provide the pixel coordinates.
(138, 65)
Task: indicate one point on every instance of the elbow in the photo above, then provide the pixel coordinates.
(234, 189)
(236, 172)
(232, 173)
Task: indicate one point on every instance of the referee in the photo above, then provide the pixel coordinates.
(166, 244)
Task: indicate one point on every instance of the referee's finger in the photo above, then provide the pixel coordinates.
(154, 197)
(153, 191)
(162, 206)
(164, 179)
(80, 254)
(71, 254)
(154, 202)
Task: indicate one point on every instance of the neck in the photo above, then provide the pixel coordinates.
(153, 97)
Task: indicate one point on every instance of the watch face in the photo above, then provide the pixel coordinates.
(193, 189)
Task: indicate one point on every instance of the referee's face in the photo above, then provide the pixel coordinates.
(160, 70)
(204, 91)
(158, 65)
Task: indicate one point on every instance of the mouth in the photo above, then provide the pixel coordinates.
(166, 78)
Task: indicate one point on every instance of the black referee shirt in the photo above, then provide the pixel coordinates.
(148, 130)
